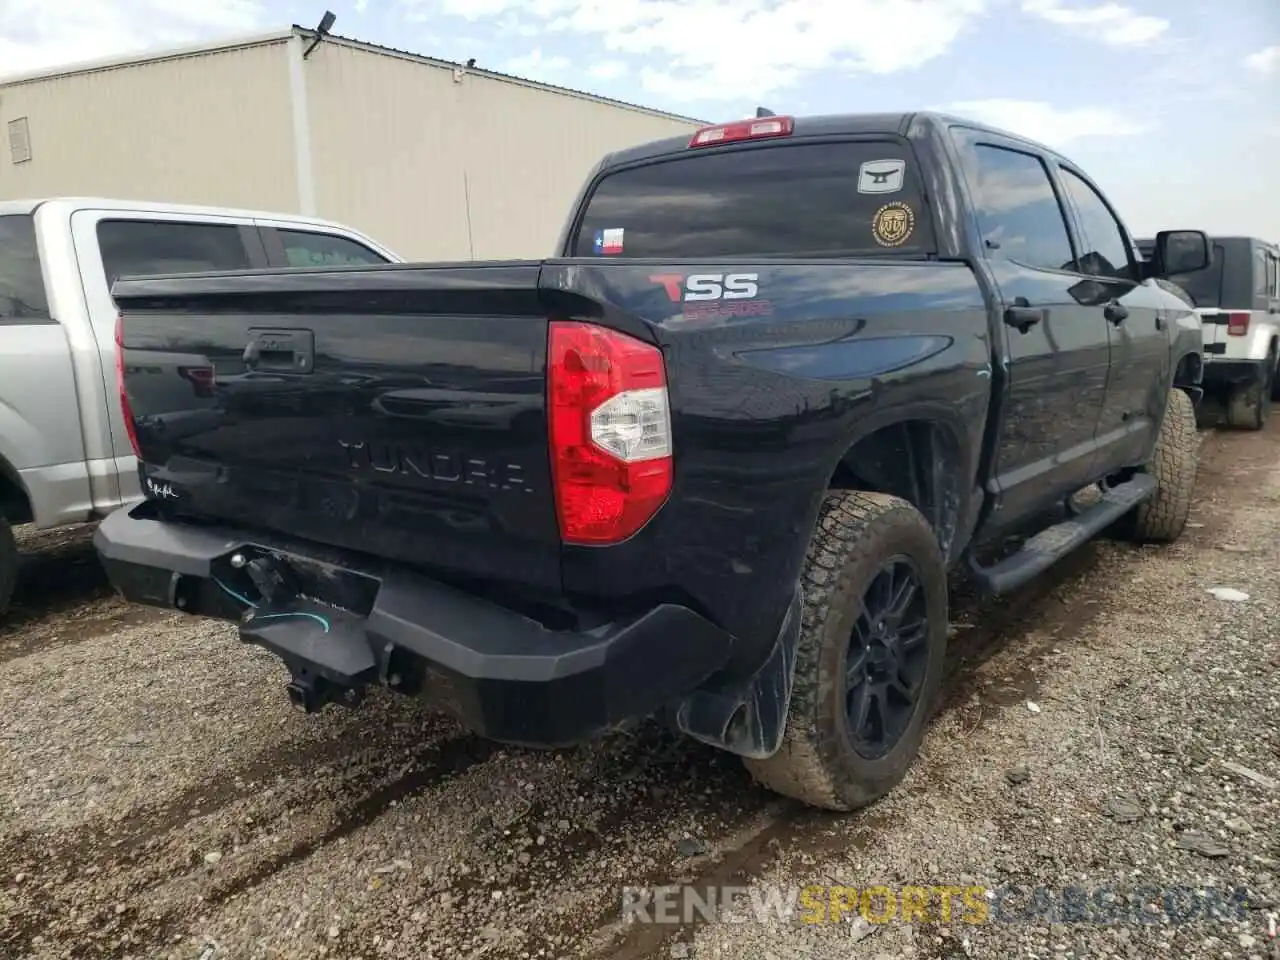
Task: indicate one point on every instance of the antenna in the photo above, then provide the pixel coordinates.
(764, 112)
(322, 31)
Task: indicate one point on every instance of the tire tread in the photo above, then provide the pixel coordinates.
(846, 532)
(1163, 518)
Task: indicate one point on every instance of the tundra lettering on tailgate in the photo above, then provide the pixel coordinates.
(704, 295)
(438, 465)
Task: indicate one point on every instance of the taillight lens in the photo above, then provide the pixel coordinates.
(1237, 324)
(610, 426)
(125, 411)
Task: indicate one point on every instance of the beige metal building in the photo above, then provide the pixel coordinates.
(433, 159)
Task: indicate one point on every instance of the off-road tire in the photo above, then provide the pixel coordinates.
(1249, 403)
(856, 532)
(1163, 518)
(8, 564)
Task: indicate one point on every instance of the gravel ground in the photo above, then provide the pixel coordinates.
(1113, 727)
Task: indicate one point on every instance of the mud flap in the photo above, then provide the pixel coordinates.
(749, 717)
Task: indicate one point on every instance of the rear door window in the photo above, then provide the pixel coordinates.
(1019, 214)
(22, 295)
(132, 248)
(303, 248)
(848, 198)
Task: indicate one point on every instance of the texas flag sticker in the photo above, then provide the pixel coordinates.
(609, 241)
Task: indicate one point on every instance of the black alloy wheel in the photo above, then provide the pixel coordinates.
(887, 659)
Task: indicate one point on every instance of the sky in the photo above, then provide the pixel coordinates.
(1172, 106)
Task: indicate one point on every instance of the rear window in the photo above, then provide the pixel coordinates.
(305, 249)
(810, 199)
(22, 294)
(134, 248)
(1205, 286)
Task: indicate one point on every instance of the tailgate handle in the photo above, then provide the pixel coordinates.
(282, 351)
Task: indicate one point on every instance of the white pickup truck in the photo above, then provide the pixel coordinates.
(65, 455)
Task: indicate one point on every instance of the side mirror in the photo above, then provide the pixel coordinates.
(1180, 251)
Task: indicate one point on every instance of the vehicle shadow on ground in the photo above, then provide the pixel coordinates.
(62, 595)
(57, 568)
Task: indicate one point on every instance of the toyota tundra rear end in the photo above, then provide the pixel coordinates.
(552, 496)
(376, 472)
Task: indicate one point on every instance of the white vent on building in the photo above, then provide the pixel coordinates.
(19, 140)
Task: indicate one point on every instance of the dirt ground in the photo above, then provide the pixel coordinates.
(1113, 727)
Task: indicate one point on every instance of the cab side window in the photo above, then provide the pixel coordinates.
(1105, 250)
(22, 295)
(305, 249)
(1018, 211)
(1261, 283)
(132, 248)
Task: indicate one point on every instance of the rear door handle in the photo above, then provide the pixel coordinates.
(1115, 312)
(1023, 318)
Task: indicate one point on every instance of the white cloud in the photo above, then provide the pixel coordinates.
(1264, 61)
(1047, 124)
(742, 49)
(1108, 22)
(536, 65)
(607, 70)
(35, 34)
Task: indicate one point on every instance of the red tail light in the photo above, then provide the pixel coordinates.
(610, 431)
(125, 410)
(761, 129)
(1237, 324)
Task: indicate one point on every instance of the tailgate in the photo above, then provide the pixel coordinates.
(398, 411)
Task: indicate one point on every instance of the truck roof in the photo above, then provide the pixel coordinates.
(841, 124)
(69, 205)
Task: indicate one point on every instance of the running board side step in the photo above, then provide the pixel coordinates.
(1052, 544)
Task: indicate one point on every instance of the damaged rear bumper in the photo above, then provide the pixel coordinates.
(505, 675)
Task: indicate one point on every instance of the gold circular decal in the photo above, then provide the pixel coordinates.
(892, 224)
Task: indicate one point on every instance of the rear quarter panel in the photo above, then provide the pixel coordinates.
(39, 427)
(768, 393)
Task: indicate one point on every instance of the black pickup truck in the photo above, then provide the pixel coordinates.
(713, 463)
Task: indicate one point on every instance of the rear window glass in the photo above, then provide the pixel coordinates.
(135, 248)
(1205, 286)
(22, 294)
(816, 199)
(306, 249)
